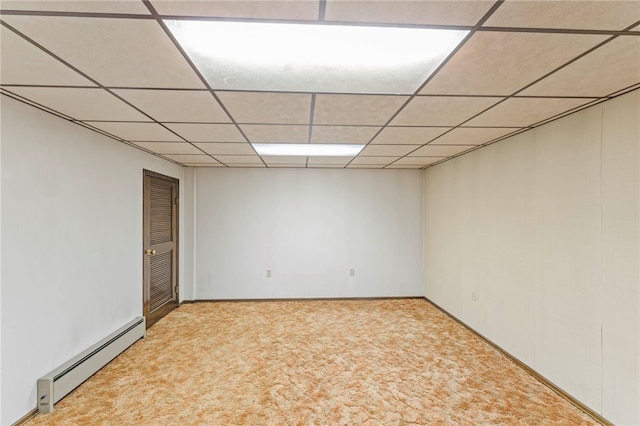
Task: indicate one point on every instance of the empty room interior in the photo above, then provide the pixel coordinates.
(320, 212)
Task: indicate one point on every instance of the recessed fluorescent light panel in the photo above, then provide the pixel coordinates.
(308, 149)
(313, 58)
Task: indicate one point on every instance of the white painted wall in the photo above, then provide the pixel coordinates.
(71, 244)
(187, 202)
(545, 228)
(310, 227)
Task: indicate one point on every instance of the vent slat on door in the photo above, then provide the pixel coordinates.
(161, 213)
(161, 273)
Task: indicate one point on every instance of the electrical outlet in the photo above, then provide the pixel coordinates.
(352, 272)
(474, 296)
(268, 273)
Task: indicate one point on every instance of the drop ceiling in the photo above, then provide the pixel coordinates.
(116, 68)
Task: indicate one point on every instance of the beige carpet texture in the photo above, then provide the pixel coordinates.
(323, 362)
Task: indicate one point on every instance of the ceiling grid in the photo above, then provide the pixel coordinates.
(116, 67)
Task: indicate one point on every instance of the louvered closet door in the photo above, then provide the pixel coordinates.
(160, 246)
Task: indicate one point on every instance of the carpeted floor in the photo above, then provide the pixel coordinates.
(343, 362)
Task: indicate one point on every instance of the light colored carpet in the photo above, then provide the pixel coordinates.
(343, 362)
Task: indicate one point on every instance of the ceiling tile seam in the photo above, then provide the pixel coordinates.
(50, 53)
(311, 22)
(498, 139)
(154, 121)
(57, 114)
(196, 122)
(568, 31)
(422, 146)
(83, 74)
(451, 54)
(307, 92)
(429, 143)
(177, 89)
(573, 110)
(551, 97)
(538, 124)
(491, 127)
(580, 56)
(307, 124)
(61, 14)
(158, 122)
(513, 95)
(48, 86)
(119, 121)
(36, 105)
(546, 121)
(321, 20)
(169, 89)
(177, 45)
(456, 95)
(478, 25)
(119, 139)
(623, 91)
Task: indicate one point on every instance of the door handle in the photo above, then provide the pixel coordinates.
(149, 252)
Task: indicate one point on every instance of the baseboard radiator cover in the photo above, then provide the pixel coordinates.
(54, 386)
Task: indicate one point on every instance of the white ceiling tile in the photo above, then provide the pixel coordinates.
(276, 133)
(329, 161)
(81, 104)
(283, 159)
(192, 159)
(115, 52)
(610, 68)
(472, 135)
(137, 131)
(93, 6)
(226, 148)
(416, 161)
(441, 111)
(343, 134)
(408, 135)
(240, 159)
(177, 105)
(23, 63)
(376, 161)
(261, 108)
(198, 132)
(169, 147)
(387, 150)
(584, 15)
(408, 12)
(356, 109)
(439, 150)
(494, 63)
(523, 112)
(304, 10)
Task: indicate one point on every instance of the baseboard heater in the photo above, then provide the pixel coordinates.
(58, 383)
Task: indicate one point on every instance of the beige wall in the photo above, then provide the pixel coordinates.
(544, 228)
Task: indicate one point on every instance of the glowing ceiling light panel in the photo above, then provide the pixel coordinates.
(313, 58)
(308, 149)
